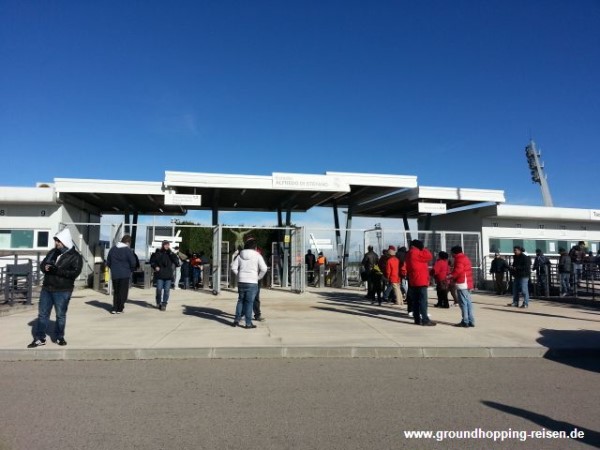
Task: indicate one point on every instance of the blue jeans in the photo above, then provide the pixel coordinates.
(60, 301)
(565, 283)
(520, 285)
(418, 297)
(466, 306)
(246, 295)
(160, 286)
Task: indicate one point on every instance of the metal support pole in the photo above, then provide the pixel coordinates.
(338, 233)
(134, 230)
(406, 227)
(215, 210)
(127, 223)
(347, 242)
(286, 249)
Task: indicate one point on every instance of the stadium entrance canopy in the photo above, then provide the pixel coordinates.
(361, 194)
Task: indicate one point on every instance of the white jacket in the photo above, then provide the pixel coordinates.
(249, 266)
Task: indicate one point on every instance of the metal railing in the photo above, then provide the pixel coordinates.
(548, 285)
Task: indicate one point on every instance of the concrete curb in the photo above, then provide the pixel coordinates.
(45, 354)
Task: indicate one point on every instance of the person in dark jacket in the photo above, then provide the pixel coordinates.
(521, 271)
(310, 261)
(565, 267)
(61, 266)
(122, 263)
(498, 271)
(163, 261)
(369, 262)
(541, 266)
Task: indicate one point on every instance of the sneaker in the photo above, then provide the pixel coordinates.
(410, 314)
(471, 325)
(157, 305)
(524, 306)
(250, 326)
(113, 312)
(235, 324)
(429, 324)
(259, 319)
(37, 343)
(163, 307)
(119, 312)
(461, 325)
(61, 341)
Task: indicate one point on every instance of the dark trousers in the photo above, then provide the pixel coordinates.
(418, 296)
(256, 305)
(442, 297)
(120, 293)
(499, 284)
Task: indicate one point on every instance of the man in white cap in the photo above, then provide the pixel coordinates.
(61, 266)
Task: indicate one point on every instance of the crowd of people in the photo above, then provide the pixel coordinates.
(572, 268)
(404, 276)
(396, 276)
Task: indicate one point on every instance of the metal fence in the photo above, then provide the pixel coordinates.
(585, 284)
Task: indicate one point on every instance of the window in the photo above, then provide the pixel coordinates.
(24, 239)
(495, 224)
(21, 239)
(42, 239)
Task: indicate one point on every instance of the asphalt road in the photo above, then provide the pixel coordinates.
(294, 404)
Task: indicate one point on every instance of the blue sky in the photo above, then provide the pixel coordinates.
(446, 90)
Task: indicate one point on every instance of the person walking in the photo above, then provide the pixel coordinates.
(392, 274)
(249, 268)
(310, 261)
(440, 272)
(61, 267)
(498, 271)
(417, 267)
(565, 267)
(369, 262)
(521, 271)
(122, 263)
(163, 261)
(462, 277)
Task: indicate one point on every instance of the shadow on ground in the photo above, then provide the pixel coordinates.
(576, 348)
(50, 331)
(590, 437)
(102, 305)
(142, 303)
(209, 313)
(358, 305)
(529, 311)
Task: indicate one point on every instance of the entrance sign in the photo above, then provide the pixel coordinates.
(183, 199)
(301, 182)
(432, 208)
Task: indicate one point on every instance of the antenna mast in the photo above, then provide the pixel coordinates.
(538, 175)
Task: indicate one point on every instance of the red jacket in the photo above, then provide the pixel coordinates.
(441, 270)
(417, 266)
(463, 271)
(392, 269)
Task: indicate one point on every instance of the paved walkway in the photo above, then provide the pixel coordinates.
(327, 322)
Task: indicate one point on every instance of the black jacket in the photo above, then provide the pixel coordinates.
(521, 266)
(165, 260)
(370, 260)
(564, 264)
(498, 265)
(65, 268)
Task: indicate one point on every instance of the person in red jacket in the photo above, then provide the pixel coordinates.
(417, 267)
(392, 273)
(440, 272)
(462, 276)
